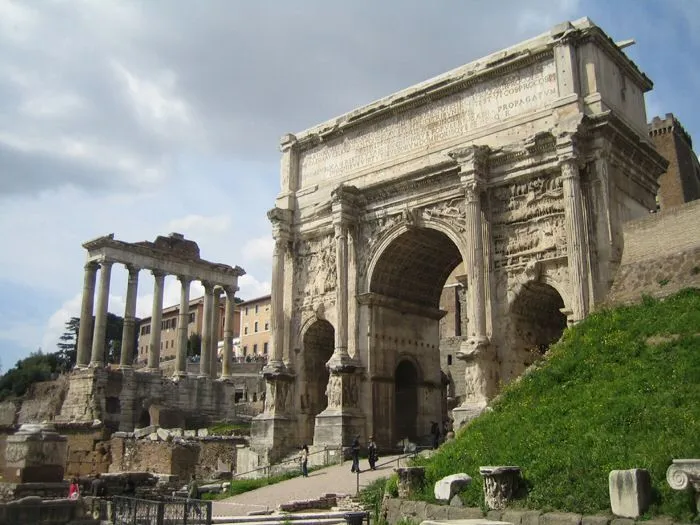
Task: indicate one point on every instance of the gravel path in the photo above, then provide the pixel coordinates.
(335, 479)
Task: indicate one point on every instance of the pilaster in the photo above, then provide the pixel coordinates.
(281, 222)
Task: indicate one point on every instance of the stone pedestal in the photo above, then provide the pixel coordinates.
(501, 485)
(36, 453)
(342, 420)
(411, 480)
(84, 402)
(479, 376)
(630, 492)
(684, 474)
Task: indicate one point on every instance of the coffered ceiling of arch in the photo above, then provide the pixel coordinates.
(415, 266)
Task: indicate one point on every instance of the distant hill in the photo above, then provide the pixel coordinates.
(620, 390)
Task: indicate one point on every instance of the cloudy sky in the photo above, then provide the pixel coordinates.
(143, 118)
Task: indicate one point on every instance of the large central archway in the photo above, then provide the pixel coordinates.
(405, 286)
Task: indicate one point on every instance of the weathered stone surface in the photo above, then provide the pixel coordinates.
(501, 484)
(622, 521)
(190, 433)
(164, 434)
(530, 517)
(560, 518)
(411, 480)
(8, 413)
(202, 432)
(456, 501)
(145, 431)
(595, 520)
(449, 486)
(630, 492)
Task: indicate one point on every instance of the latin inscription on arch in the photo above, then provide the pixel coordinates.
(417, 130)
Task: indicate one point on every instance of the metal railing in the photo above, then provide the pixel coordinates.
(181, 511)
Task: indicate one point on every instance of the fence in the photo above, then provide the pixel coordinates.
(134, 511)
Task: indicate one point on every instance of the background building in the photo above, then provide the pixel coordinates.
(255, 327)
(168, 348)
(681, 182)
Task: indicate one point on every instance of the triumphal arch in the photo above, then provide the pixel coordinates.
(521, 166)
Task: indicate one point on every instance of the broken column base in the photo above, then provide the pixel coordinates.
(465, 412)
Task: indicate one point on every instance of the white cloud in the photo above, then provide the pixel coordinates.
(194, 225)
(250, 287)
(259, 249)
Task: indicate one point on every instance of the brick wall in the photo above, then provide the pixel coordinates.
(661, 255)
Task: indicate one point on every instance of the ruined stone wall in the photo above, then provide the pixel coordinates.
(43, 401)
(203, 457)
(661, 255)
(88, 451)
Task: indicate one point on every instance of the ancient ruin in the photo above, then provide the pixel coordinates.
(130, 397)
(522, 166)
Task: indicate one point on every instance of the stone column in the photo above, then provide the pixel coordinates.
(128, 335)
(98, 339)
(215, 323)
(343, 418)
(156, 320)
(280, 231)
(204, 358)
(228, 332)
(476, 349)
(344, 203)
(85, 330)
(183, 322)
(575, 237)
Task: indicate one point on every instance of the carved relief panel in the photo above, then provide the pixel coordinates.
(528, 221)
(315, 269)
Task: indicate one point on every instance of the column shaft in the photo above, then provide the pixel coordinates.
(228, 333)
(341, 302)
(474, 262)
(86, 325)
(575, 240)
(156, 320)
(98, 340)
(204, 358)
(128, 332)
(183, 322)
(215, 323)
(276, 303)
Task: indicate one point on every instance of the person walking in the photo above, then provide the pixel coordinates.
(74, 489)
(355, 451)
(372, 453)
(193, 495)
(304, 458)
(435, 432)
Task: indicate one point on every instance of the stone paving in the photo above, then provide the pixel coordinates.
(335, 479)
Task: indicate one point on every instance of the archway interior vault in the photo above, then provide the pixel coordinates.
(415, 266)
(319, 342)
(538, 316)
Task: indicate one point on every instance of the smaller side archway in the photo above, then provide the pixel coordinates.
(537, 320)
(318, 342)
(406, 380)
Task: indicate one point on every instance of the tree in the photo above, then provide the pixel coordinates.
(68, 344)
(194, 344)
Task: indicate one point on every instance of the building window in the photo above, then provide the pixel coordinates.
(449, 359)
(267, 325)
(245, 330)
(256, 308)
(246, 310)
(265, 348)
(256, 327)
(192, 317)
(255, 349)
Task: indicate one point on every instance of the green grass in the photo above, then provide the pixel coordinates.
(239, 486)
(228, 429)
(605, 398)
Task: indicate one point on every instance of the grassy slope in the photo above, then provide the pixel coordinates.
(604, 399)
